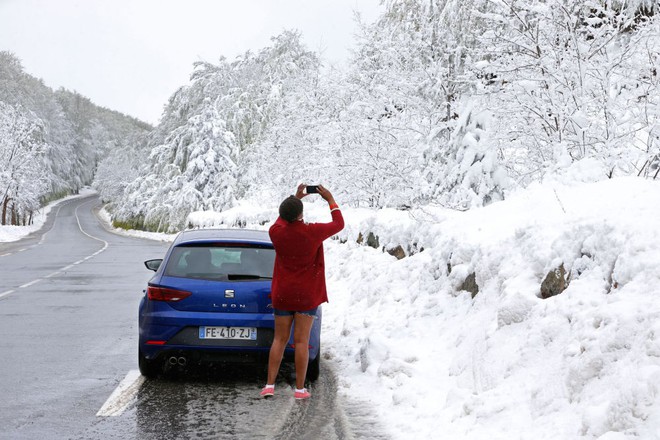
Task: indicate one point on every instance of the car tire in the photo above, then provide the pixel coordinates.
(148, 368)
(314, 368)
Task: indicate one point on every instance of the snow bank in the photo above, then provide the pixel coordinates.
(157, 236)
(243, 215)
(508, 364)
(390, 227)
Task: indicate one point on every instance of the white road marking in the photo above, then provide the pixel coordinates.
(21, 250)
(6, 293)
(89, 235)
(29, 284)
(122, 396)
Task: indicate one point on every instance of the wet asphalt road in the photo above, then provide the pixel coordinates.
(68, 337)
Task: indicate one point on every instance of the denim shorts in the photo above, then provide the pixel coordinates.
(278, 312)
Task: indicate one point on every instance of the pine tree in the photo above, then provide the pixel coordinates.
(468, 173)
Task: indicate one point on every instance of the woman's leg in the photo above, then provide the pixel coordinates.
(282, 333)
(301, 331)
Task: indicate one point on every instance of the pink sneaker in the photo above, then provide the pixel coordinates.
(300, 395)
(267, 392)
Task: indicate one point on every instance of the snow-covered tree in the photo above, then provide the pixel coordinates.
(209, 128)
(122, 162)
(197, 169)
(411, 70)
(467, 172)
(24, 177)
(567, 82)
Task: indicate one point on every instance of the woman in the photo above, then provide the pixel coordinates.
(298, 282)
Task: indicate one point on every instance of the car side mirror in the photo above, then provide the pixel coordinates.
(153, 264)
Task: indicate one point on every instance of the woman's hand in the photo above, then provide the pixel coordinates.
(327, 195)
(300, 193)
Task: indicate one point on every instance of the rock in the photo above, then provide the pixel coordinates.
(397, 252)
(554, 283)
(470, 284)
(372, 240)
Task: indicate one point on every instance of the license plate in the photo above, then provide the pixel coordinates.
(249, 333)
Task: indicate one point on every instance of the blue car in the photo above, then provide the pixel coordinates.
(209, 303)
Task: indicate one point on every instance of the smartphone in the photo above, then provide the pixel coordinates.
(312, 189)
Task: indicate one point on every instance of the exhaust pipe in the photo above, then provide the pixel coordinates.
(180, 361)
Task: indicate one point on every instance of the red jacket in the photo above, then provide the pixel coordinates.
(299, 272)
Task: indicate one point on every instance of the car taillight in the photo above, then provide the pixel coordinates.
(165, 294)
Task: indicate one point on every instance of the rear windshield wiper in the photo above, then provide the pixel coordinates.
(239, 276)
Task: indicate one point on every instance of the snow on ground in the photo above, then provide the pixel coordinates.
(157, 236)
(434, 362)
(508, 364)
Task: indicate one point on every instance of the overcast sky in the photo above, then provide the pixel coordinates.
(131, 55)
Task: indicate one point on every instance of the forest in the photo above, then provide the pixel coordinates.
(50, 141)
(446, 103)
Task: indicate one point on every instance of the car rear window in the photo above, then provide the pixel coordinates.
(221, 262)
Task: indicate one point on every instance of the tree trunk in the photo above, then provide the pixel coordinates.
(4, 210)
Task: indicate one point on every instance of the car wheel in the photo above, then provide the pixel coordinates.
(314, 368)
(148, 368)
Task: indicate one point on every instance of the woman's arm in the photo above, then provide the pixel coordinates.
(326, 230)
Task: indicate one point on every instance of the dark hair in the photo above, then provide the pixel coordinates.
(291, 208)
